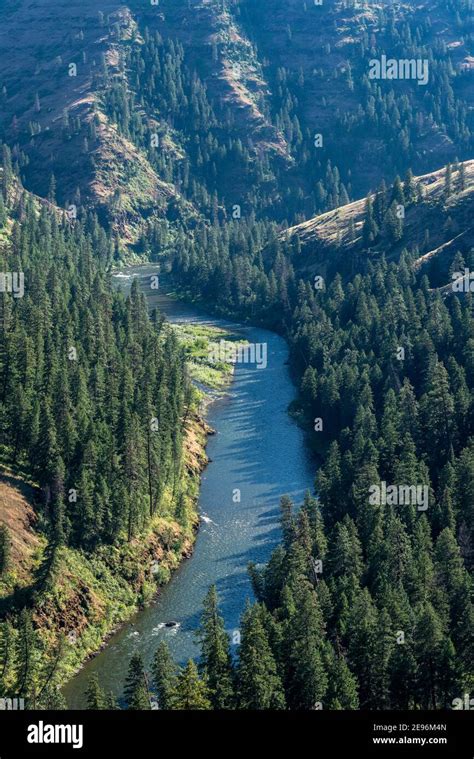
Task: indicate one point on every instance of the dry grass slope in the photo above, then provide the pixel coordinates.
(450, 222)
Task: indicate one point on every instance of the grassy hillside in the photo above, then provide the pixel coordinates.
(435, 228)
(55, 121)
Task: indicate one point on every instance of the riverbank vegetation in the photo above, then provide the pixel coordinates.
(204, 149)
(101, 447)
(197, 340)
(386, 388)
(367, 603)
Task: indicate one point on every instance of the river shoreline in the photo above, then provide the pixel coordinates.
(257, 455)
(208, 431)
(199, 432)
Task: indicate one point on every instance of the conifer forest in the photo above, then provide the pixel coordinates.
(236, 363)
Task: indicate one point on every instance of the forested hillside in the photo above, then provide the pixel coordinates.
(366, 604)
(96, 408)
(246, 147)
(165, 112)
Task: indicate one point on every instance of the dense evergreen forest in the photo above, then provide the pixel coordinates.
(94, 393)
(94, 397)
(364, 605)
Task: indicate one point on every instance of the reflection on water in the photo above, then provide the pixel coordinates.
(259, 450)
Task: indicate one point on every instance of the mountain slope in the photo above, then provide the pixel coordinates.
(325, 49)
(434, 228)
(53, 120)
(268, 77)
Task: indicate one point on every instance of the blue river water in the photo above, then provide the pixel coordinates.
(257, 449)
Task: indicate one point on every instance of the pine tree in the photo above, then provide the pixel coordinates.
(342, 685)
(24, 656)
(384, 645)
(3, 212)
(409, 188)
(52, 699)
(190, 692)
(370, 229)
(7, 170)
(403, 673)
(362, 638)
(136, 691)
(398, 195)
(216, 662)
(52, 189)
(95, 696)
(393, 224)
(461, 184)
(259, 685)
(448, 184)
(111, 702)
(306, 680)
(6, 651)
(428, 641)
(164, 675)
(4, 549)
(437, 411)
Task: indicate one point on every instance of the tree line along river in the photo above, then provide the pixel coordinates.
(257, 449)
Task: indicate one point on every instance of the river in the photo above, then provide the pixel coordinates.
(257, 449)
